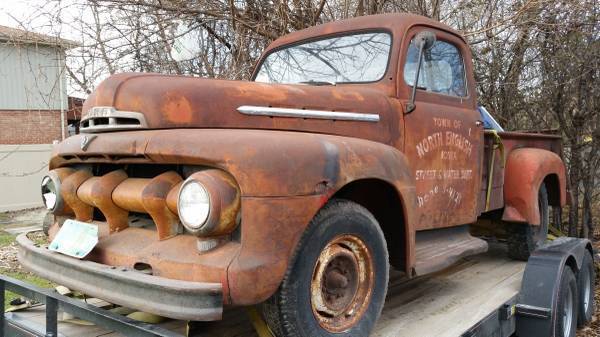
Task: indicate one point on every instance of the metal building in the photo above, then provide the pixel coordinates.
(33, 111)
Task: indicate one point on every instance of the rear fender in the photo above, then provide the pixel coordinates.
(526, 169)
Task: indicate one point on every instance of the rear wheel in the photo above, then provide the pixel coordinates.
(523, 239)
(566, 310)
(337, 281)
(585, 282)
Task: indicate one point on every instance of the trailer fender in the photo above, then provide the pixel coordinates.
(537, 300)
(526, 169)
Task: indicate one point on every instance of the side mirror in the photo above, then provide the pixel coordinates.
(424, 40)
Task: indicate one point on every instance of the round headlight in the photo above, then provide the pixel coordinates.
(49, 193)
(193, 205)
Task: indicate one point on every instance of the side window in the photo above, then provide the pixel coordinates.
(442, 70)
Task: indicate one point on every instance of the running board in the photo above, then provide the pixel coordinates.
(437, 249)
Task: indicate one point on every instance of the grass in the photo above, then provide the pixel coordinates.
(25, 277)
(6, 239)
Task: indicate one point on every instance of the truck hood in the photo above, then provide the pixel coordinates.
(188, 102)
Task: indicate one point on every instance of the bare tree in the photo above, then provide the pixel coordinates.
(536, 61)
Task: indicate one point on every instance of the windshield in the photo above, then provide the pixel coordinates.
(350, 58)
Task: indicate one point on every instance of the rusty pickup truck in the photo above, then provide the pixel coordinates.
(356, 145)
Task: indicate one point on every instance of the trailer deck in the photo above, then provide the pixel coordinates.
(447, 303)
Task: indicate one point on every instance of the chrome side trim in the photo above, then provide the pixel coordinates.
(301, 113)
(117, 120)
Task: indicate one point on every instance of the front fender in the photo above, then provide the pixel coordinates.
(526, 169)
(284, 179)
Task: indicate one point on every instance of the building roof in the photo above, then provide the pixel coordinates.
(16, 35)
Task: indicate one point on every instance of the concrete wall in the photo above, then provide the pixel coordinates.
(21, 170)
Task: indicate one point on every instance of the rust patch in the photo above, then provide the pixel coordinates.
(83, 211)
(342, 283)
(154, 199)
(176, 108)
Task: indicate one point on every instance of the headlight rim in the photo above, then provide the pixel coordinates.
(225, 202)
(202, 227)
(59, 202)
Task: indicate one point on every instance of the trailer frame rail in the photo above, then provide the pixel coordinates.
(10, 325)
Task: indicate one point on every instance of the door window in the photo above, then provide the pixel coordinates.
(442, 69)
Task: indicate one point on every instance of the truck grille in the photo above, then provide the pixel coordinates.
(116, 196)
(103, 119)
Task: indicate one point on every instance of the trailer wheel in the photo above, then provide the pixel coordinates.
(337, 281)
(585, 283)
(523, 239)
(567, 305)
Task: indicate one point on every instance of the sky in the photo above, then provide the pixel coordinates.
(41, 16)
(34, 15)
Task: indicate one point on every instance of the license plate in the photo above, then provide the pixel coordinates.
(75, 238)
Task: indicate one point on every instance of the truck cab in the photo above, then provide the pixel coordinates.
(355, 145)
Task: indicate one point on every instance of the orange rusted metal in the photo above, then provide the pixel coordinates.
(154, 199)
(273, 174)
(342, 283)
(172, 198)
(128, 194)
(526, 169)
(83, 211)
(98, 191)
(225, 207)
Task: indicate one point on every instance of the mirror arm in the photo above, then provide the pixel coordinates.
(410, 106)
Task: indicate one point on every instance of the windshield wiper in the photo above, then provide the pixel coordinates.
(313, 82)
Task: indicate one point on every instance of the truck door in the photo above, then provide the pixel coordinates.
(443, 134)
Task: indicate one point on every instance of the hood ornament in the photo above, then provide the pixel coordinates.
(86, 140)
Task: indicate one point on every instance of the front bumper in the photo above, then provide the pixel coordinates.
(177, 299)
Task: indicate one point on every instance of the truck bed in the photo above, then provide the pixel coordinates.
(443, 304)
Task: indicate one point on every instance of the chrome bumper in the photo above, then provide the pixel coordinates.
(177, 299)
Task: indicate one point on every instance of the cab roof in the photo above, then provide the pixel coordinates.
(396, 23)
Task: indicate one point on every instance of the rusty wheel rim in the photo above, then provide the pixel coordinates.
(342, 283)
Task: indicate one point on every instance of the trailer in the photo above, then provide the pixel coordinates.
(482, 295)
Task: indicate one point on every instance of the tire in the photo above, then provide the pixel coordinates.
(565, 324)
(523, 239)
(322, 286)
(585, 283)
(47, 223)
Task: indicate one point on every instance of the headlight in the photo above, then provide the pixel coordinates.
(193, 205)
(50, 188)
(49, 193)
(209, 203)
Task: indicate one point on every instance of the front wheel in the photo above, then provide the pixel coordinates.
(337, 281)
